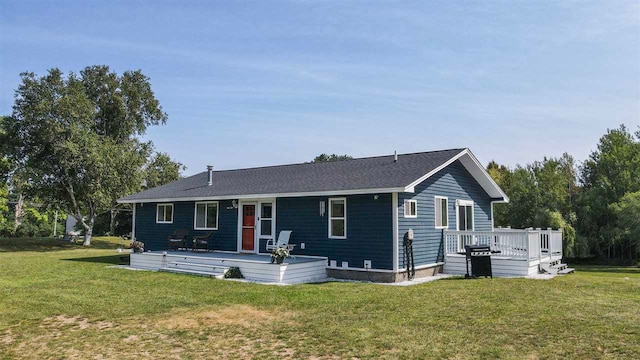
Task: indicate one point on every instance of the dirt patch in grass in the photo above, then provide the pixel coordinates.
(233, 315)
(223, 332)
(74, 323)
(7, 338)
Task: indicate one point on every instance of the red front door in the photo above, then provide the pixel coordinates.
(248, 227)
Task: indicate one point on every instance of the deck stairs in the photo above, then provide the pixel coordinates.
(194, 268)
(555, 267)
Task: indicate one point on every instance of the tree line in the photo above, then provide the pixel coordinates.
(74, 145)
(596, 202)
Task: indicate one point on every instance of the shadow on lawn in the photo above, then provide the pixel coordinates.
(50, 244)
(121, 259)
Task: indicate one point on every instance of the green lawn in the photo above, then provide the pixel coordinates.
(59, 300)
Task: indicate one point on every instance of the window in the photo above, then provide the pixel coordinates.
(410, 209)
(465, 215)
(442, 213)
(266, 220)
(338, 218)
(164, 214)
(206, 216)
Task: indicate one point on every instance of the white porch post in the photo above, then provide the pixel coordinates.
(133, 224)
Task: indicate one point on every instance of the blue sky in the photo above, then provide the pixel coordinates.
(272, 82)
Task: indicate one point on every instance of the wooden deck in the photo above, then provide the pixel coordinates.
(254, 267)
(522, 252)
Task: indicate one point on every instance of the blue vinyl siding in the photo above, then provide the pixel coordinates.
(369, 229)
(154, 236)
(453, 182)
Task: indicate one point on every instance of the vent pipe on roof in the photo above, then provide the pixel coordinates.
(395, 156)
(210, 171)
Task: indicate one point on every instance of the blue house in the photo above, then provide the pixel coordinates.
(355, 214)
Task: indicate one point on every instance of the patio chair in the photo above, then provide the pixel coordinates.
(202, 241)
(283, 241)
(178, 239)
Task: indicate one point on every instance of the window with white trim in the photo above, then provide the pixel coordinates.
(442, 212)
(164, 214)
(411, 208)
(206, 216)
(465, 214)
(266, 220)
(338, 218)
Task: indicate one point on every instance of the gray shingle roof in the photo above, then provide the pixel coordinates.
(379, 172)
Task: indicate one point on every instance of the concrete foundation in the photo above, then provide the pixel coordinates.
(383, 277)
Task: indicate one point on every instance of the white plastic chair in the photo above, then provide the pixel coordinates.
(283, 241)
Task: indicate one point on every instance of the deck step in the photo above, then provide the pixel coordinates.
(555, 267)
(566, 271)
(217, 275)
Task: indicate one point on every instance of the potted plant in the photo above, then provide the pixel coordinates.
(137, 246)
(278, 255)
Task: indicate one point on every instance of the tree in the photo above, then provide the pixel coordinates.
(610, 173)
(4, 210)
(160, 169)
(541, 196)
(5, 168)
(333, 157)
(502, 176)
(627, 226)
(77, 137)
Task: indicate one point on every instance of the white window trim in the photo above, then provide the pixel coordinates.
(459, 203)
(407, 202)
(272, 218)
(338, 218)
(446, 215)
(158, 212)
(195, 214)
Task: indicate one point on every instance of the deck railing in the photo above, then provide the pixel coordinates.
(527, 244)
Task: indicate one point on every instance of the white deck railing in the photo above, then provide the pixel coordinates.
(527, 244)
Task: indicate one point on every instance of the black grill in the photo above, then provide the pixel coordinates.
(480, 258)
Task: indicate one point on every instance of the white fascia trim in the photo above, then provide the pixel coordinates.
(410, 187)
(261, 196)
(486, 176)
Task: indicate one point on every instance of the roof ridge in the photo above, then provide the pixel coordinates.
(330, 162)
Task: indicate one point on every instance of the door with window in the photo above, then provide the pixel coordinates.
(248, 227)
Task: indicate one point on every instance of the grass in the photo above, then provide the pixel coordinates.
(61, 301)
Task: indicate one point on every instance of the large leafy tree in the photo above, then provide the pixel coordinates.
(611, 175)
(77, 137)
